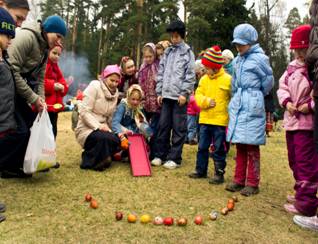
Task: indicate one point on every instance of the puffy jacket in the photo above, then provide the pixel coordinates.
(252, 80)
(25, 53)
(54, 75)
(193, 108)
(96, 109)
(295, 87)
(218, 88)
(176, 74)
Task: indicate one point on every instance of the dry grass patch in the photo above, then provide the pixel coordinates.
(50, 207)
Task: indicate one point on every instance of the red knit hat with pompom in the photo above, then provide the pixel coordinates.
(300, 37)
(212, 58)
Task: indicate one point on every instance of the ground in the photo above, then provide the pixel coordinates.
(50, 207)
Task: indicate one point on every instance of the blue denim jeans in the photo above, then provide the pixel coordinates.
(192, 123)
(218, 135)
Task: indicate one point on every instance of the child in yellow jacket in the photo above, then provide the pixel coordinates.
(213, 96)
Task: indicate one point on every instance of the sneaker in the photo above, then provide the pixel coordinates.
(233, 187)
(290, 208)
(2, 208)
(217, 179)
(249, 190)
(196, 175)
(156, 162)
(171, 165)
(306, 222)
(291, 199)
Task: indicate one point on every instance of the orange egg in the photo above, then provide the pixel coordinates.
(94, 204)
(131, 218)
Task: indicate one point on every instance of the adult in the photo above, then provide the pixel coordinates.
(28, 57)
(312, 63)
(18, 9)
(96, 110)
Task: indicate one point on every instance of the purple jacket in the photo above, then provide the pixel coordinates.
(295, 87)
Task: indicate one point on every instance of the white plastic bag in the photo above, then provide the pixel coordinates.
(41, 150)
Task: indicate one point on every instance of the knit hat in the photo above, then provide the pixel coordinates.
(55, 24)
(109, 70)
(300, 37)
(228, 54)
(17, 4)
(7, 23)
(213, 58)
(177, 26)
(245, 34)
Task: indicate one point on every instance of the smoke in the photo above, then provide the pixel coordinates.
(75, 71)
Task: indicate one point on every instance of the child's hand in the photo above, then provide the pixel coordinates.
(212, 103)
(58, 87)
(303, 108)
(159, 100)
(291, 108)
(128, 133)
(182, 100)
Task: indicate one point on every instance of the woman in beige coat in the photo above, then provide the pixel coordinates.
(95, 115)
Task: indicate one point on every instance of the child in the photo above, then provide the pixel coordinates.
(192, 117)
(199, 72)
(252, 79)
(129, 117)
(128, 76)
(213, 96)
(55, 87)
(175, 83)
(294, 95)
(161, 47)
(12, 144)
(228, 58)
(147, 81)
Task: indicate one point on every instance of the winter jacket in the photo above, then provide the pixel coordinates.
(126, 118)
(126, 81)
(96, 109)
(176, 74)
(217, 88)
(295, 87)
(193, 108)
(7, 97)
(52, 76)
(252, 80)
(26, 52)
(147, 80)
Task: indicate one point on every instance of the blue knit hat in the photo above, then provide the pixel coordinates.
(245, 34)
(55, 24)
(7, 23)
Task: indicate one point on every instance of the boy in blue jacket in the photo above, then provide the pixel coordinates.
(175, 82)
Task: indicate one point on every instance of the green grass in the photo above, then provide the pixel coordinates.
(50, 207)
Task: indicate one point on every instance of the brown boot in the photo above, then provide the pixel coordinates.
(249, 190)
(233, 187)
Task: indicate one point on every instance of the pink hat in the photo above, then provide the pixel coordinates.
(109, 70)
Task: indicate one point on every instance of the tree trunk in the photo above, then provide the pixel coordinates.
(100, 51)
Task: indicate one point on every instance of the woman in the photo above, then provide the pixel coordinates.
(95, 115)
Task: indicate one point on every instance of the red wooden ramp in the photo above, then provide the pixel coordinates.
(139, 160)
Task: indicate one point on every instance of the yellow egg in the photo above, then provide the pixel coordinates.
(57, 106)
(145, 219)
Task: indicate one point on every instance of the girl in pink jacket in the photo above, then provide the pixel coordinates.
(294, 95)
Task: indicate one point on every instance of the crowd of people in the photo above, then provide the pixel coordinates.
(215, 101)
